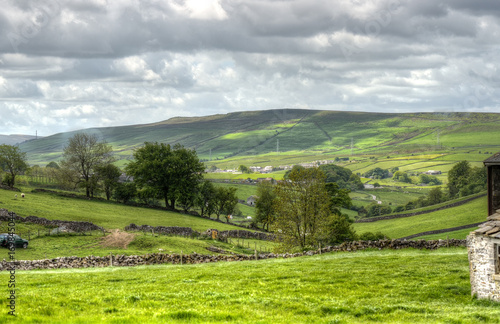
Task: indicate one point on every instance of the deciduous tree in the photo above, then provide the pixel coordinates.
(171, 172)
(264, 210)
(13, 161)
(108, 174)
(83, 155)
(302, 208)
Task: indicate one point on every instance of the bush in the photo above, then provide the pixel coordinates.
(369, 236)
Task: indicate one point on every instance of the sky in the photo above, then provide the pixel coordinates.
(68, 65)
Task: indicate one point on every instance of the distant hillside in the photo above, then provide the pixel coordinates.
(295, 132)
(14, 139)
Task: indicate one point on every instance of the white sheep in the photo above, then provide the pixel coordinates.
(22, 195)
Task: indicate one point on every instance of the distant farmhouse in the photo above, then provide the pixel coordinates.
(484, 243)
(433, 172)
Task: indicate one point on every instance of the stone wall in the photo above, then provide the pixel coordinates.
(187, 231)
(482, 266)
(5, 215)
(160, 258)
(242, 234)
(172, 230)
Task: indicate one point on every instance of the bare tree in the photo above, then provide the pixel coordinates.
(83, 155)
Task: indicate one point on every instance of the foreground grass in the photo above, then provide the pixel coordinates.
(420, 287)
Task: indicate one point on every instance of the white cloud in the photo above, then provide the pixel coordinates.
(99, 63)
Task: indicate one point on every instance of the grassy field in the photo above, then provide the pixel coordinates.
(53, 246)
(106, 214)
(460, 234)
(469, 213)
(421, 287)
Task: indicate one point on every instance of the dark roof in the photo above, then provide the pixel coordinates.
(495, 159)
(491, 227)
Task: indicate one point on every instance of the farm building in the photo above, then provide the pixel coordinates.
(251, 200)
(484, 243)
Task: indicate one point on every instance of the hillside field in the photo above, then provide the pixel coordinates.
(469, 213)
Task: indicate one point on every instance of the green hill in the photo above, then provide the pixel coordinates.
(299, 135)
(469, 213)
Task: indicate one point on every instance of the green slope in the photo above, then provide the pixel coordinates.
(469, 213)
(300, 133)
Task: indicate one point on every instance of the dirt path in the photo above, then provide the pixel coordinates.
(117, 239)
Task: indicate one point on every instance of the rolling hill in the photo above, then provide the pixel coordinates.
(15, 139)
(256, 136)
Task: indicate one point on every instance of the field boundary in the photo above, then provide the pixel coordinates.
(455, 204)
(444, 230)
(195, 258)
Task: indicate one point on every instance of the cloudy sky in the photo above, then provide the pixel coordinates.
(67, 65)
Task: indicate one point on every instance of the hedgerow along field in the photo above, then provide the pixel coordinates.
(404, 286)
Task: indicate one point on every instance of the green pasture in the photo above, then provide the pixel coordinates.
(109, 215)
(53, 246)
(421, 287)
(469, 213)
(460, 235)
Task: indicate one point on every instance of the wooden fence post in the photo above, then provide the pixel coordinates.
(110, 259)
(181, 257)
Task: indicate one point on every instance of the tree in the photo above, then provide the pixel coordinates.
(53, 165)
(244, 169)
(377, 173)
(339, 229)
(13, 161)
(225, 201)
(205, 198)
(457, 178)
(302, 208)
(338, 198)
(173, 173)
(125, 192)
(401, 176)
(108, 174)
(435, 196)
(83, 155)
(264, 212)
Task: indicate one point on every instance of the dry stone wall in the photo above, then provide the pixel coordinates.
(187, 231)
(481, 251)
(168, 230)
(194, 258)
(5, 215)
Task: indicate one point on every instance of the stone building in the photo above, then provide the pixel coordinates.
(484, 243)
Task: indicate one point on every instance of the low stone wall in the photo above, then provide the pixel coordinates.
(247, 235)
(5, 215)
(172, 230)
(194, 258)
(187, 231)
